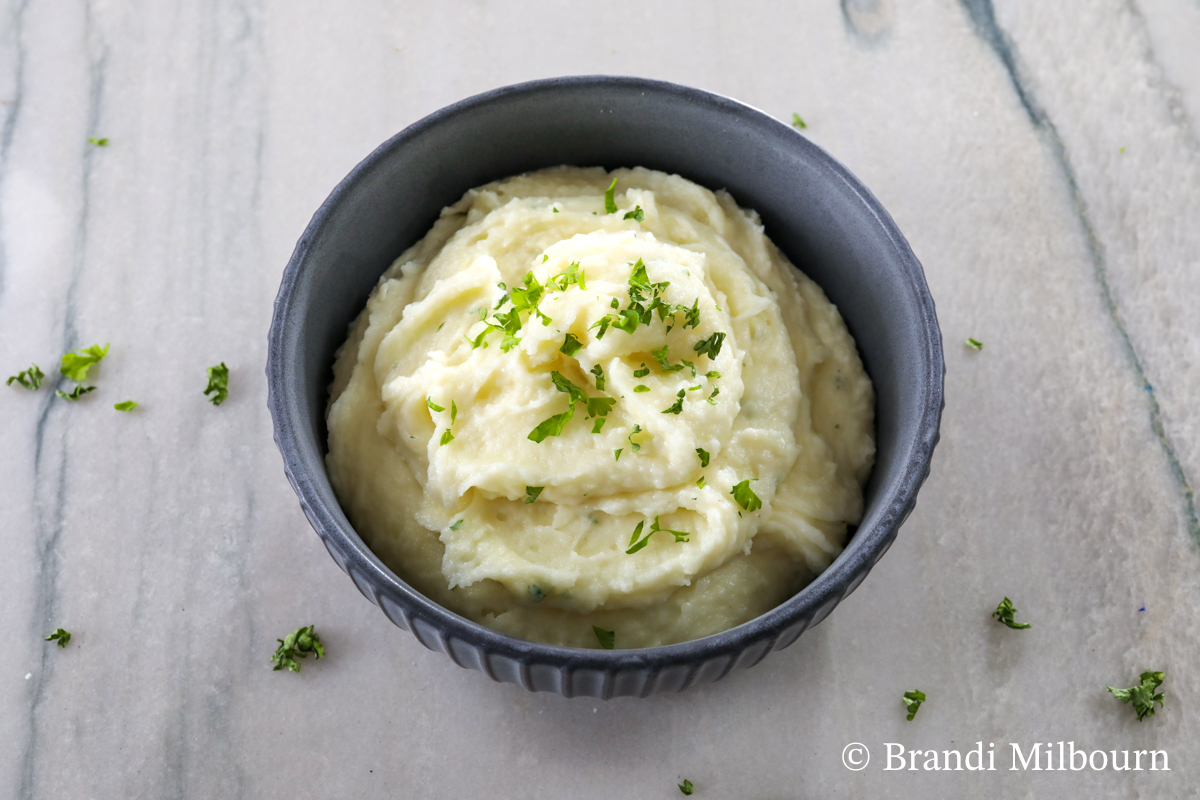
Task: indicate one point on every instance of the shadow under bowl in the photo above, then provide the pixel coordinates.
(814, 210)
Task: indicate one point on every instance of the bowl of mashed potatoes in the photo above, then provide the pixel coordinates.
(604, 386)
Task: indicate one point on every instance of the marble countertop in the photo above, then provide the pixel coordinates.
(1043, 159)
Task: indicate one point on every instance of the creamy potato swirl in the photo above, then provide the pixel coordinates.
(540, 384)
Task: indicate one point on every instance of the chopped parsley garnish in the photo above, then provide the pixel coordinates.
(524, 298)
(610, 203)
(553, 426)
(697, 387)
(536, 593)
(710, 346)
(745, 496)
(531, 493)
(974, 344)
(453, 412)
(912, 702)
(1004, 613)
(599, 424)
(660, 355)
(218, 384)
(617, 454)
(29, 378)
(632, 444)
(76, 393)
(636, 544)
(429, 402)
(643, 372)
(126, 405)
(711, 374)
(75, 365)
(60, 636)
(607, 639)
(701, 483)
(447, 438)
(570, 345)
(1143, 695)
(640, 388)
(703, 455)
(678, 407)
(636, 214)
(598, 371)
(456, 524)
(571, 275)
(798, 123)
(101, 142)
(686, 787)
(298, 644)
(712, 398)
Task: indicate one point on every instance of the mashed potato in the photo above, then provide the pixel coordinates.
(553, 416)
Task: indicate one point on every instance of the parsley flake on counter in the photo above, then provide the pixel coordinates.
(640, 388)
(218, 384)
(678, 407)
(636, 214)
(703, 455)
(126, 405)
(531, 493)
(76, 393)
(29, 378)
(607, 639)
(60, 636)
(447, 438)
(298, 644)
(1004, 613)
(1142, 696)
(797, 122)
(745, 496)
(974, 344)
(686, 787)
(429, 402)
(610, 202)
(75, 365)
(598, 371)
(912, 702)
(636, 544)
(570, 345)
(101, 142)
(710, 346)
(643, 372)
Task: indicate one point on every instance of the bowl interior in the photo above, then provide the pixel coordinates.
(812, 208)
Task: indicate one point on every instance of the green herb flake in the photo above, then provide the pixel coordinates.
(610, 203)
(912, 702)
(660, 355)
(712, 398)
(1004, 613)
(75, 365)
(456, 524)
(617, 454)
(429, 402)
(572, 275)
(101, 142)
(636, 214)
(640, 388)
(531, 493)
(553, 426)
(453, 412)
(712, 374)
(636, 543)
(798, 123)
(218, 384)
(632, 444)
(60, 636)
(599, 424)
(678, 406)
(298, 644)
(607, 639)
(570, 345)
(701, 483)
(537, 593)
(643, 372)
(703, 455)
(974, 344)
(1143, 695)
(76, 393)
(598, 371)
(29, 378)
(126, 405)
(745, 496)
(447, 438)
(686, 787)
(710, 346)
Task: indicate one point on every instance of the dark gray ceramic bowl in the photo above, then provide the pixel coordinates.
(814, 210)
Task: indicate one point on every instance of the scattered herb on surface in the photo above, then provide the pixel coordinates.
(1004, 613)
(745, 496)
(536, 593)
(531, 493)
(610, 202)
(912, 702)
(553, 426)
(453, 412)
(60, 636)
(101, 142)
(429, 402)
(617, 454)
(632, 444)
(598, 371)
(797, 122)
(660, 355)
(1143, 695)
(298, 644)
(598, 425)
(636, 544)
(218, 384)
(76, 393)
(686, 787)
(678, 407)
(571, 275)
(447, 438)
(702, 454)
(75, 365)
(456, 524)
(29, 378)
(701, 483)
(974, 344)
(125, 405)
(643, 372)
(607, 639)
(711, 374)
(712, 398)
(710, 346)
(636, 214)
(570, 345)
(641, 388)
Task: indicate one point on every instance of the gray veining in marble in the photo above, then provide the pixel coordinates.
(1042, 157)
